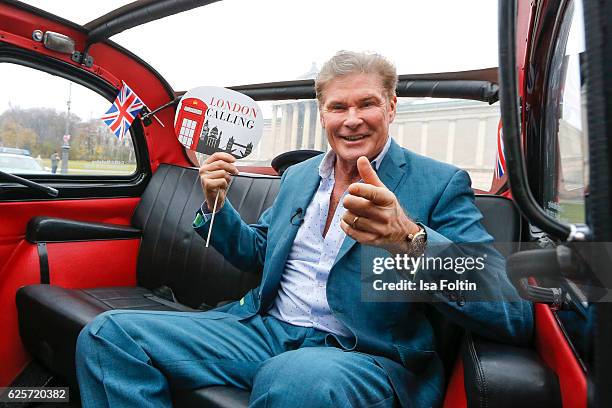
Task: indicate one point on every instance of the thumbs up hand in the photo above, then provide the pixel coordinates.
(374, 216)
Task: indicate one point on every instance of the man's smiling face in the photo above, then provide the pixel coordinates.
(356, 115)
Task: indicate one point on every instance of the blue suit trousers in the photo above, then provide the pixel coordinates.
(131, 358)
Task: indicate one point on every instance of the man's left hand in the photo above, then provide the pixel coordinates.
(374, 216)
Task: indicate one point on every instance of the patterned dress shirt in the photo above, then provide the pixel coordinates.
(302, 296)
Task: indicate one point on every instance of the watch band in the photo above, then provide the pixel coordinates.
(412, 237)
(417, 241)
(422, 231)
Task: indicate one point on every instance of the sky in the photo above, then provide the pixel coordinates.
(236, 42)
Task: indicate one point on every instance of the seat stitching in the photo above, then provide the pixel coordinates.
(96, 298)
(245, 195)
(145, 224)
(190, 243)
(173, 240)
(163, 218)
(480, 377)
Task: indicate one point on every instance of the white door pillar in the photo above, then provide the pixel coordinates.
(294, 127)
(424, 137)
(480, 142)
(450, 146)
(283, 135)
(306, 129)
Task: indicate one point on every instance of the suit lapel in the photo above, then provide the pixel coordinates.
(390, 172)
(299, 197)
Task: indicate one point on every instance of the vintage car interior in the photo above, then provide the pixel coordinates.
(74, 246)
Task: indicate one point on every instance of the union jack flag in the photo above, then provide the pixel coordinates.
(500, 161)
(123, 111)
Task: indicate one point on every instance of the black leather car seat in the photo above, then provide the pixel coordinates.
(175, 271)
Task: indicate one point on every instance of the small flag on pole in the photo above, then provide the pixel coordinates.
(500, 161)
(123, 111)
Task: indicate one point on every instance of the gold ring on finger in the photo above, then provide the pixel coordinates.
(355, 222)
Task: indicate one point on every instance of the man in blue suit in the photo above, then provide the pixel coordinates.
(305, 337)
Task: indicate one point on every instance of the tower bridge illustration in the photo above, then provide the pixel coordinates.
(210, 140)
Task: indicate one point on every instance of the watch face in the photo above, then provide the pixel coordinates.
(418, 245)
(420, 239)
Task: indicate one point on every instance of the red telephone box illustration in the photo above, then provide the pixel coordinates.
(190, 121)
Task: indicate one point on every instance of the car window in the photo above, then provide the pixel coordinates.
(57, 131)
(566, 159)
(459, 132)
(568, 163)
(19, 163)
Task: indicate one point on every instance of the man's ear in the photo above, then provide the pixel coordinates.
(392, 108)
(321, 118)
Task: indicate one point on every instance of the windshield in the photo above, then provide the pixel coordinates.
(235, 42)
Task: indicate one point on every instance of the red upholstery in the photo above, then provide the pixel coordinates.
(455, 392)
(106, 263)
(20, 263)
(556, 352)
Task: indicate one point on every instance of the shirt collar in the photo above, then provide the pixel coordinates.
(326, 168)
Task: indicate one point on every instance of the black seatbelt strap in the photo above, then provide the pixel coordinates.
(43, 258)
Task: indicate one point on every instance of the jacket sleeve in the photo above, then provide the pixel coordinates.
(494, 309)
(241, 244)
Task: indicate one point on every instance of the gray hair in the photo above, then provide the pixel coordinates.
(346, 63)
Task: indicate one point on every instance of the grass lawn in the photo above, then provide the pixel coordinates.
(572, 211)
(87, 167)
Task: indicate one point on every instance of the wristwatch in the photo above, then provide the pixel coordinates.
(417, 241)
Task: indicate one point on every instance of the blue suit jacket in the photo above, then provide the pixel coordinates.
(398, 334)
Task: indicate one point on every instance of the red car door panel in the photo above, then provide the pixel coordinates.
(71, 264)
